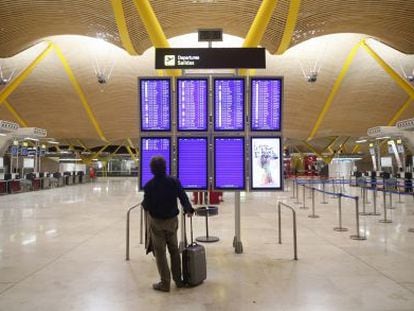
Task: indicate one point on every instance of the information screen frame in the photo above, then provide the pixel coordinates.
(252, 178)
(142, 79)
(216, 129)
(141, 162)
(215, 186)
(179, 129)
(206, 159)
(266, 78)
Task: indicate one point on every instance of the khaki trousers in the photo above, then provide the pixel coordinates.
(164, 234)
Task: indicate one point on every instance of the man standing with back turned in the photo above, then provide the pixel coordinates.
(160, 200)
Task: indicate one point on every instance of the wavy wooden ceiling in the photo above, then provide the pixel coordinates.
(367, 97)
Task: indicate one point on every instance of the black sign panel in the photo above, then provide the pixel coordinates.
(199, 58)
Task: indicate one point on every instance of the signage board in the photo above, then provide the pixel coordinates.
(192, 162)
(204, 58)
(155, 104)
(150, 147)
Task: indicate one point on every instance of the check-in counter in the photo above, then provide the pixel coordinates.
(80, 174)
(57, 180)
(3, 186)
(45, 182)
(14, 185)
(68, 178)
(75, 178)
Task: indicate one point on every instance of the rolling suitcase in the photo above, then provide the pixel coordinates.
(194, 261)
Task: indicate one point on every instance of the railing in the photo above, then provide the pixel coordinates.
(295, 247)
(127, 227)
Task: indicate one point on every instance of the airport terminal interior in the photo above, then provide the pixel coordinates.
(290, 125)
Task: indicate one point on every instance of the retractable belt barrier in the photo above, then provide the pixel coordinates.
(128, 230)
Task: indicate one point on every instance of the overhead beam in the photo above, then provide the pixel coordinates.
(333, 140)
(133, 157)
(335, 89)
(404, 84)
(290, 25)
(399, 112)
(10, 87)
(258, 28)
(80, 92)
(154, 29)
(82, 145)
(15, 114)
(119, 15)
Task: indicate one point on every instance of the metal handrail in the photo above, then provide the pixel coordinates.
(127, 228)
(295, 247)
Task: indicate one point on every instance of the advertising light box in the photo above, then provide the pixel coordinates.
(386, 161)
(28, 163)
(229, 170)
(266, 104)
(266, 163)
(155, 104)
(192, 163)
(229, 104)
(150, 147)
(192, 104)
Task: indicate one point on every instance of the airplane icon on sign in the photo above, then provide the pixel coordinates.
(169, 60)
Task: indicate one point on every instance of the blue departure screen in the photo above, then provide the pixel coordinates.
(153, 147)
(229, 104)
(155, 100)
(265, 104)
(229, 163)
(192, 104)
(192, 163)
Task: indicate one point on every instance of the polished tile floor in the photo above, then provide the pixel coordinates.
(64, 249)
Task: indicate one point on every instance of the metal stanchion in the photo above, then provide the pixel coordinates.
(358, 235)
(141, 225)
(237, 243)
(364, 195)
(297, 193)
(385, 220)
(313, 204)
(323, 193)
(399, 195)
(295, 243)
(343, 183)
(340, 228)
(391, 207)
(293, 189)
(127, 230)
(333, 188)
(304, 198)
(374, 197)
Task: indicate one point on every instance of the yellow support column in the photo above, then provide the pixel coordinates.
(291, 20)
(153, 27)
(80, 92)
(122, 26)
(404, 84)
(10, 87)
(15, 114)
(335, 89)
(257, 29)
(394, 119)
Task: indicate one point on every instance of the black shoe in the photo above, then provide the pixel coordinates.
(161, 287)
(180, 284)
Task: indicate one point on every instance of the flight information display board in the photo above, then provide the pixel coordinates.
(192, 104)
(155, 104)
(150, 147)
(229, 172)
(266, 103)
(192, 163)
(229, 104)
(266, 163)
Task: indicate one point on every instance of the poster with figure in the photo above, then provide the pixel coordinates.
(266, 163)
